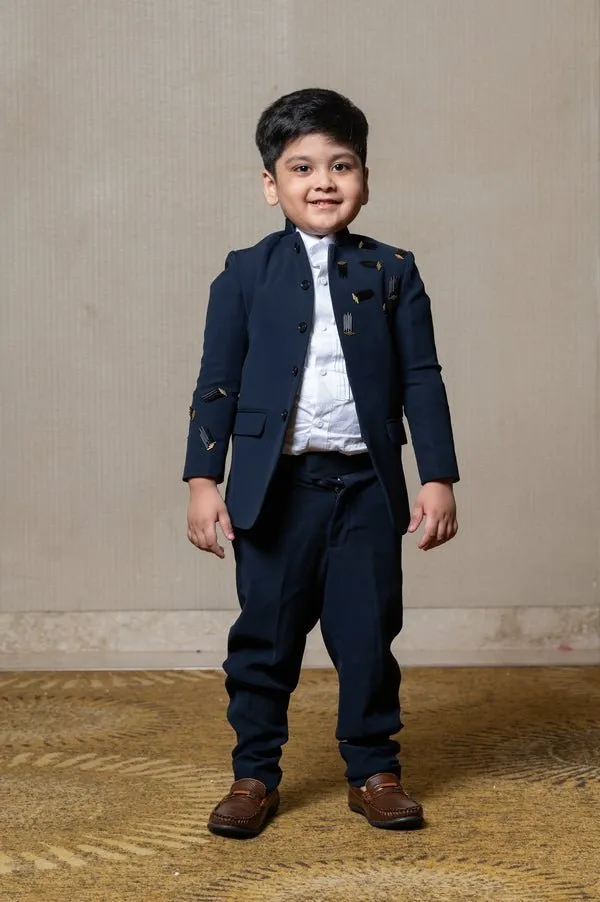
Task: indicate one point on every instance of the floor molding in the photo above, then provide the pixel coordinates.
(181, 661)
(443, 637)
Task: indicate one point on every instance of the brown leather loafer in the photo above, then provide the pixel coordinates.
(244, 812)
(385, 804)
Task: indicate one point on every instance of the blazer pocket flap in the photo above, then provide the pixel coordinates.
(396, 431)
(250, 422)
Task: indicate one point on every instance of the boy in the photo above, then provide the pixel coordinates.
(315, 343)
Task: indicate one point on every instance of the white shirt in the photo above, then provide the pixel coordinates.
(324, 413)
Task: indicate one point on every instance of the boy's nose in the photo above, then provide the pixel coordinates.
(325, 181)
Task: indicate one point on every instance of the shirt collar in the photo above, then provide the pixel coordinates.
(313, 241)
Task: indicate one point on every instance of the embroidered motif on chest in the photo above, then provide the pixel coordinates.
(359, 296)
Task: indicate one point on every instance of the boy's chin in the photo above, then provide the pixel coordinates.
(321, 222)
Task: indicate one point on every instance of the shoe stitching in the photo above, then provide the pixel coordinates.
(244, 792)
(237, 818)
(231, 819)
(396, 812)
(404, 812)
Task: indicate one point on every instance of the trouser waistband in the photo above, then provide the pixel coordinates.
(327, 463)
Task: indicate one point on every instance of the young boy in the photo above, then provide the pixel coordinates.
(316, 342)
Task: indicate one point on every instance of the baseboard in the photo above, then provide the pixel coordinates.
(98, 640)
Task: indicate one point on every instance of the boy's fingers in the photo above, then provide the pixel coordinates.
(450, 530)
(210, 542)
(193, 536)
(444, 531)
(437, 532)
(430, 535)
(207, 539)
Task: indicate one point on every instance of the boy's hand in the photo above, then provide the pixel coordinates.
(206, 508)
(436, 503)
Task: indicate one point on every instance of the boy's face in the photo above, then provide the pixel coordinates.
(319, 184)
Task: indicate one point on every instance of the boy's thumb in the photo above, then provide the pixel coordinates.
(225, 524)
(415, 520)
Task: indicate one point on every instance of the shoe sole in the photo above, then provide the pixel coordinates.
(413, 822)
(231, 832)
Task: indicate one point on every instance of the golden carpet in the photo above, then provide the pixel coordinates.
(107, 779)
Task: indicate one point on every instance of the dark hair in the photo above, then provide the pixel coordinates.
(306, 112)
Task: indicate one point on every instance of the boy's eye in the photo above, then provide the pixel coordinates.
(340, 167)
(301, 168)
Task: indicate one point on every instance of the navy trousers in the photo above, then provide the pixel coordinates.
(323, 548)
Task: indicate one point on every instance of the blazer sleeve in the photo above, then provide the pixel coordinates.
(214, 402)
(424, 394)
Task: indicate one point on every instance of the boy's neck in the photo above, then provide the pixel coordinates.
(290, 227)
(341, 236)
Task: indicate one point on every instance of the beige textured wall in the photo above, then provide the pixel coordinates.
(127, 172)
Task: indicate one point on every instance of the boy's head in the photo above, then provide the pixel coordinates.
(314, 149)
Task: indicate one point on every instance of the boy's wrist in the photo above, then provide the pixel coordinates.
(199, 483)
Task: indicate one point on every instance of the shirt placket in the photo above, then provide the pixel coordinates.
(323, 349)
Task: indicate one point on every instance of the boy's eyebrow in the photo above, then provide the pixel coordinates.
(335, 156)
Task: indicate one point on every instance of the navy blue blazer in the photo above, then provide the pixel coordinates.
(256, 336)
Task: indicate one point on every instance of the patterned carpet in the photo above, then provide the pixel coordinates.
(106, 781)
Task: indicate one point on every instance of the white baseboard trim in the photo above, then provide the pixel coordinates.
(444, 637)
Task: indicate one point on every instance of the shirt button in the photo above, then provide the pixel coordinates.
(323, 280)
(323, 372)
(305, 284)
(284, 415)
(294, 371)
(323, 328)
(302, 327)
(320, 424)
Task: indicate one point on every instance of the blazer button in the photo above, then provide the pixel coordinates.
(284, 415)
(302, 327)
(305, 284)
(294, 371)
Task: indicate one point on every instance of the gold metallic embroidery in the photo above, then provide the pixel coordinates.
(213, 393)
(359, 296)
(207, 439)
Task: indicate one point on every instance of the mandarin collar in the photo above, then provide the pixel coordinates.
(341, 237)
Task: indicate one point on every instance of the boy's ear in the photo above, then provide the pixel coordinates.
(270, 188)
(365, 197)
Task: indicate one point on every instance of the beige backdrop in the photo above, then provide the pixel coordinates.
(128, 170)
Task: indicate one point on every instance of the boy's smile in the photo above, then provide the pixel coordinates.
(319, 184)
